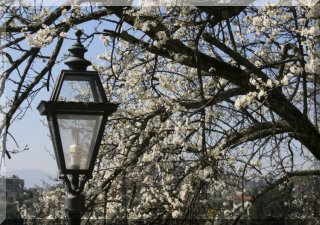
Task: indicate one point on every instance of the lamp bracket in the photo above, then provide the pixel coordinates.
(75, 186)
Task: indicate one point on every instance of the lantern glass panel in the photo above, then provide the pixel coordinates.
(78, 136)
(54, 138)
(79, 89)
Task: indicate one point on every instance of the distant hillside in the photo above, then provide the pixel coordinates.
(33, 178)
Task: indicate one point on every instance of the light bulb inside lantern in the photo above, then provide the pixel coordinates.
(75, 150)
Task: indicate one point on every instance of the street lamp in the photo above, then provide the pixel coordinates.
(77, 114)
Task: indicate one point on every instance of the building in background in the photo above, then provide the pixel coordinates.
(13, 185)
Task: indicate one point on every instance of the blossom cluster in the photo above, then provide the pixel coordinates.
(42, 37)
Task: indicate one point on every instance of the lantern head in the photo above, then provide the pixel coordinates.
(77, 114)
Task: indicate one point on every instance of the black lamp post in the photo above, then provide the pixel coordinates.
(77, 114)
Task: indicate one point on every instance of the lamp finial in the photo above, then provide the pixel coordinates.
(76, 60)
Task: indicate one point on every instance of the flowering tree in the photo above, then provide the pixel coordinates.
(211, 99)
